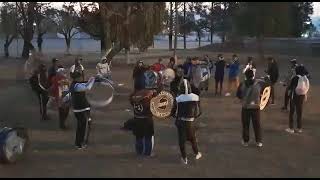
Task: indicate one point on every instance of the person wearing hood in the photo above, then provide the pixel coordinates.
(138, 74)
(187, 110)
(249, 94)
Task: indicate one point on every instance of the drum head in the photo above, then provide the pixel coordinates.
(15, 144)
(265, 97)
(168, 75)
(101, 94)
(151, 79)
(162, 104)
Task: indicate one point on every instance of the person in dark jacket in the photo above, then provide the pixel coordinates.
(287, 79)
(188, 109)
(273, 72)
(219, 74)
(296, 101)
(142, 124)
(249, 93)
(81, 107)
(39, 84)
(138, 74)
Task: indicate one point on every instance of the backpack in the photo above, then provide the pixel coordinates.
(303, 85)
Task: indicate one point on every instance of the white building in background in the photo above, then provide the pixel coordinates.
(190, 37)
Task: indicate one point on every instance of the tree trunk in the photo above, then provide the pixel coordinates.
(127, 52)
(6, 50)
(260, 48)
(170, 26)
(27, 46)
(211, 26)
(68, 42)
(184, 29)
(176, 29)
(39, 42)
(199, 38)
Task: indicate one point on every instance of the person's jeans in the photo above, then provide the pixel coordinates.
(296, 105)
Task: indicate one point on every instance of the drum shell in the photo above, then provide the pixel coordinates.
(22, 133)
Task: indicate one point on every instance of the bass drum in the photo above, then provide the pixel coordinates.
(151, 79)
(13, 144)
(265, 92)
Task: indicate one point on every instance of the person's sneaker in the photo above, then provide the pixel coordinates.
(184, 161)
(228, 94)
(299, 130)
(290, 130)
(79, 147)
(245, 144)
(199, 155)
(259, 144)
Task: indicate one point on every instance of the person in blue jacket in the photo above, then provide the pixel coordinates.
(234, 71)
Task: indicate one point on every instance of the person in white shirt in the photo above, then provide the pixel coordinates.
(250, 65)
(103, 68)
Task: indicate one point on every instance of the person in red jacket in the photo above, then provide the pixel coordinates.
(158, 66)
(60, 86)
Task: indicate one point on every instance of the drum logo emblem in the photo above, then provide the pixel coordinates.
(162, 104)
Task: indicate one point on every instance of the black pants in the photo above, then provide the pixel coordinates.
(63, 115)
(296, 105)
(83, 128)
(195, 90)
(286, 98)
(186, 132)
(43, 100)
(272, 93)
(253, 115)
(219, 81)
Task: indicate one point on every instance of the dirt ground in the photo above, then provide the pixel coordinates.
(111, 152)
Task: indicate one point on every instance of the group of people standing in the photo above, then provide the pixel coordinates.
(54, 86)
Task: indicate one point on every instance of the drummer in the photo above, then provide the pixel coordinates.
(188, 109)
(249, 93)
(77, 67)
(103, 68)
(81, 107)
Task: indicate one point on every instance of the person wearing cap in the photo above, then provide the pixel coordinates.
(187, 110)
(234, 70)
(39, 84)
(219, 73)
(287, 79)
(77, 67)
(103, 68)
(249, 94)
(273, 72)
(60, 87)
(81, 107)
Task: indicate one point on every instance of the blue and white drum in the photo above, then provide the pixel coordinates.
(13, 143)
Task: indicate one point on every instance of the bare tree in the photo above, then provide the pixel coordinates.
(67, 20)
(8, 25)
(26, 20)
